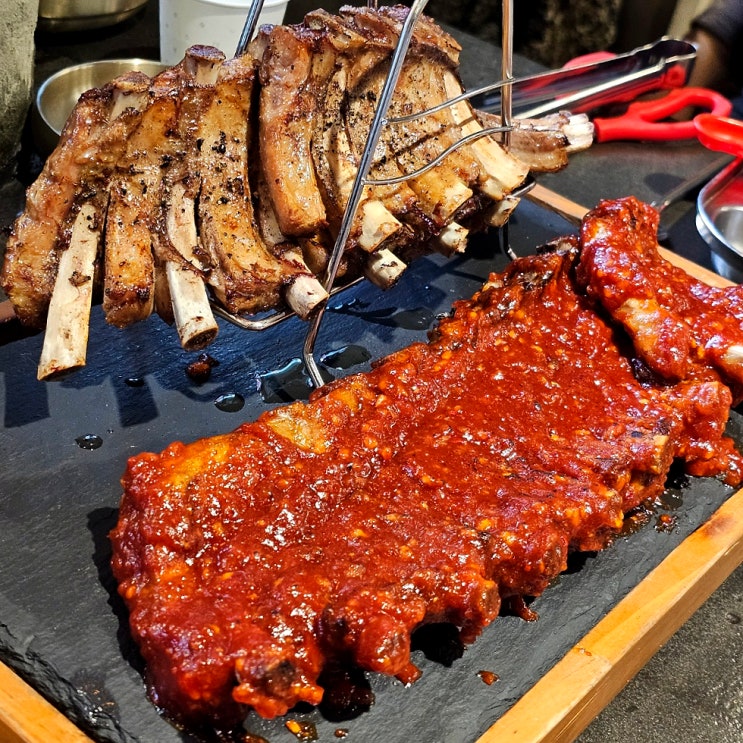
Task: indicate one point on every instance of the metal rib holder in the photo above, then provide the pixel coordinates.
(362, 177)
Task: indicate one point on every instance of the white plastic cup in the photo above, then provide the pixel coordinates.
(218, 23)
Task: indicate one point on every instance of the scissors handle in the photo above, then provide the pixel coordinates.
(644, 119)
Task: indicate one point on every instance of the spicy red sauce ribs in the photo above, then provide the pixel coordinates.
(453, 475)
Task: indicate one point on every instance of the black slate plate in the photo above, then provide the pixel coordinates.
(62, 627)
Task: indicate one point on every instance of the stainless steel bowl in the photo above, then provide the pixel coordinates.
(58, 94)
(720, 220)
(79, 15)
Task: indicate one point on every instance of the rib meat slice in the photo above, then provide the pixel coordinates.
(129, 277)
(288, 102)
(247, 277)
(341, 56)
(454, 474)
(420, 86)
(76, 171)
(133, 218)
(544, 143)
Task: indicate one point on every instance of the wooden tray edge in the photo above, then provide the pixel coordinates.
(566, 699)
(26, 717)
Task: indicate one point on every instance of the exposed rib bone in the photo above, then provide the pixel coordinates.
(501, 171)
(383, 268)
(66, 335)
(579, 132)
(33, 248)
(304, 294)
(377, 224)
(452, 239)
(501, 211)
(194, 319)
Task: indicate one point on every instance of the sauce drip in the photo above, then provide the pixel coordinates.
(488, 677)
(200, 369)
(230, 402)
(89, 441)
(346, 357)
(665, 523)
(303, 730)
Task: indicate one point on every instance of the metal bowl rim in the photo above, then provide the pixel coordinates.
(65, 71)
(704, 218)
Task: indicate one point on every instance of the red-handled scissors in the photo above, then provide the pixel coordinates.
(646, 120)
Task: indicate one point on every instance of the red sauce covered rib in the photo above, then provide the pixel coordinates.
(451, 476)
(679, 325)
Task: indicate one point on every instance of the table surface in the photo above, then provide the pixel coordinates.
(71, 519)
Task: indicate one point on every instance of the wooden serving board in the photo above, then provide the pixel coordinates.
(565, 694)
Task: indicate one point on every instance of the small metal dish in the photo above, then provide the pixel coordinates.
(720, 220)
(81, 15)
(59, 93)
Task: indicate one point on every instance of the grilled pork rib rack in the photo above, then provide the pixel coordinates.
(450, 477)
(226, 181)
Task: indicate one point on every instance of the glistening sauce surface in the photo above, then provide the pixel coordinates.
(449, 477)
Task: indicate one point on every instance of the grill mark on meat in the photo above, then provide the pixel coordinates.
(452, 476)
(439, 193)
(339, 165)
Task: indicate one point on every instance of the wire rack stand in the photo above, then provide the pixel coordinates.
(362, 179)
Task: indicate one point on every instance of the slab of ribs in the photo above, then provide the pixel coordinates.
(227, 180)
(455, 475)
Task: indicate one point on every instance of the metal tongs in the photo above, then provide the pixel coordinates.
(594, 80)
